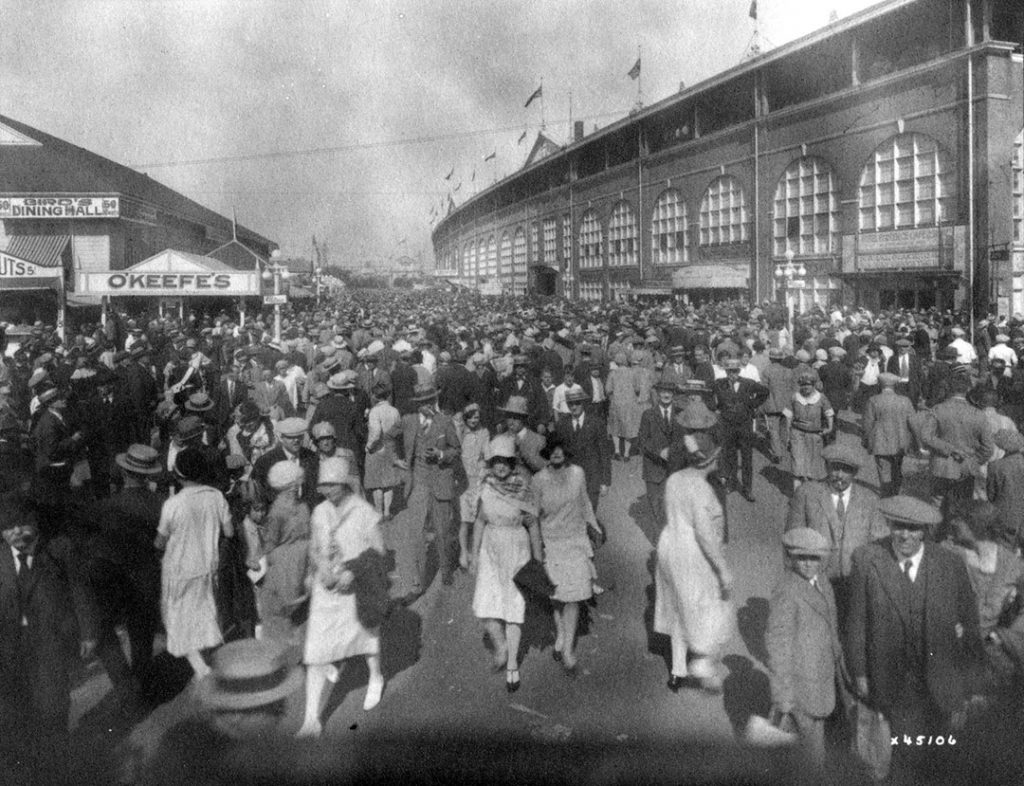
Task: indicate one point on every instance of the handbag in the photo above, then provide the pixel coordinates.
(532, 577)
(872, 741)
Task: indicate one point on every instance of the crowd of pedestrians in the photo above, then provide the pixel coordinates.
(196, 482)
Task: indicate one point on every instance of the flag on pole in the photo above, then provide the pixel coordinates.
(492, 155)
(753, 9)
(456, 189)
(522, 136)
(451, 203)
(535, 94)
(449, 175)
(473, 178)
(634, 72)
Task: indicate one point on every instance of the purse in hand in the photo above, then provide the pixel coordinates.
(532, 577)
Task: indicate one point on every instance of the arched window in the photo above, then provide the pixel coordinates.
(806, 217)
(467, 261)
(723, 213)
(670, 229)
(550, 232)
(519, 262)
(909, 182)
(535, 247)
(481, 258)
(1018, 189)
(622, 251)
(505, 259)
(590, 240)
(491, 268)
(566, 241)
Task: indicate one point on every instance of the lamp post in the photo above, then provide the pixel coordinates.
(276, 271)
(791, 277)
(318, 279)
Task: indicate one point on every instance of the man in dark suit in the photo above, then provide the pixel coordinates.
(228, 394)
(523, 385)
(658, 431)
(56, 445)
(346, 409)
(907, 368)
(40, 601)
(912, 633)
(586, 438)
(431, 448)
(290, 433)
(142, 393)
(738, 400)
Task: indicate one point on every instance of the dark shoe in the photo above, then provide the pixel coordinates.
(557, 655)
(675, 682)
(747, 495)
(512, 685)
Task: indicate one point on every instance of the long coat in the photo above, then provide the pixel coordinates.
(1006, 490)
(589, 448)
(887, 424)
(877, 644)
(812, 506)
(688, 602)
(803, 646)
(654, 436)
(439, 477)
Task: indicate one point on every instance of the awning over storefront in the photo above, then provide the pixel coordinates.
(711, 276)
(171, 273)
(648, 291)
(32, 262)
(296, 292)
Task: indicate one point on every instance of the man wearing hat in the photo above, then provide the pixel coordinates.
(939, 376)
(142, 394)
(431, 448)
(345, 409)
(886, 430)
(658, 432)
(907, 367)
(586, 439)
(122, 571)
(804, 653)
(529, 443)
(57, 444)
(844, 513)
(738, 399)
(912, 630)
(965, 353)
(522, 385)
(781, 384)
(676, 371)
(290, 434)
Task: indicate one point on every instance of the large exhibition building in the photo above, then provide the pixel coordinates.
(876, 162)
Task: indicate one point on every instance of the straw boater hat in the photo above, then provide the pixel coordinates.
(575, 395)
(343, 380)
(189, 427)
(805, 542)
(199, 402)
(291, 427)
(322, 430)
(250, 673)
(421, 394)
(516, 405)
(139, 460)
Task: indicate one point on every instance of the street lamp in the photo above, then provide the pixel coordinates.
(790, 276)
(275, 270)
(318, 278)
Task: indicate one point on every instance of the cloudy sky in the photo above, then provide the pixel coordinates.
(341, 118)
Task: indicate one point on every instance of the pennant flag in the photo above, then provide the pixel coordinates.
(522, 136)
(451, 203)
(753, 9)
(634, 72)
(449, 175)
(535, 94)
(473, 178)
(492, 155)
(456, 189)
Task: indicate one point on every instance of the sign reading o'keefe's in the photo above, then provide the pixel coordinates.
(213, 284)
(60, 207)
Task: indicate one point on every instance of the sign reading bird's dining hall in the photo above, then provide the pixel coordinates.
(171, 274)
(60, 207)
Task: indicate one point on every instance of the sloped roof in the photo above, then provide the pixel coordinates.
(237, 255)
(542, 148)
(40, 250)
(53, 166)
(173, 261)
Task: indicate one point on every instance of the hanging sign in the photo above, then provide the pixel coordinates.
(12, 267)
(59, 207)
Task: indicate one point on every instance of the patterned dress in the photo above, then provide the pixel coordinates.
(806, 434)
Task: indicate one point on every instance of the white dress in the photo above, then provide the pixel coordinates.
(504, 549)
(339, 534)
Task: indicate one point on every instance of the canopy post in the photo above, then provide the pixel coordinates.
(241, 312)
(61, 314)
(103, 310)
(181, 309)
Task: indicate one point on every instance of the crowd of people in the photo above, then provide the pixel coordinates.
(198, 481)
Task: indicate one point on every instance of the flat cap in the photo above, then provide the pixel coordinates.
(804, 541)
(848, 455)
(907, 511)
(887, 379)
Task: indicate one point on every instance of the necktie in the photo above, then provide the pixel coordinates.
(576, 425)
(841, 509)
(906, 568)
(24, 580)
(668, 416)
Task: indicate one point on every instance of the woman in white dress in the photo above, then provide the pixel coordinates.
(693, 584)
(380, 475)
(344, 526)
(191, 523)
(505, 534)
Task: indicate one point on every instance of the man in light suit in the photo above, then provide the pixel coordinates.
(431, 448)
(887, 433)
(804, 652)
(586, 437)
(845, 514)
(529, 443)
(960, 441)
(912, 634)
(658, 431)
(907, 368)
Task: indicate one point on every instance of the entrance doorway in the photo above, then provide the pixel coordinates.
(906, 299)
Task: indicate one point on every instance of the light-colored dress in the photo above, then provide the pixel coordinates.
(688, 604)
(564, 509)
(286, 546)
(191, 521)
(339, 534)
(624, 405)
(381, 472)
(504, 549)
(805, 434)
(474, 451)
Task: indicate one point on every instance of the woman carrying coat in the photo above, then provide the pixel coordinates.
(693, 584)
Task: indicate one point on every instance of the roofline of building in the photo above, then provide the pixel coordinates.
(812, 38)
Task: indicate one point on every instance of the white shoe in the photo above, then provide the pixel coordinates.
(374, 691)
(310, 730)
(332, 673)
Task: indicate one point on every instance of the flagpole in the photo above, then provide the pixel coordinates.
(542, 124)
(572, 137)
(639, 79)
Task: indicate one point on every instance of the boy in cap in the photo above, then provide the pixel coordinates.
(804, 653)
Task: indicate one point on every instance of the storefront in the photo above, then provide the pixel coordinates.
(174, 277)
(32, 282)
(712, 282)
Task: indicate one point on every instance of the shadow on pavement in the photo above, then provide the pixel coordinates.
(657, 643)
(746, 691)
(640, 513)
(752, 620)
(779, 478)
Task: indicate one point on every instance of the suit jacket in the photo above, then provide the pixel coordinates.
(653, 437)
(804, 653)
(781, 386)
(589, 448)
(307, 460)
(55, 601)
(955, 425)
(879, 644)
(916, 376)
(812, 506)
(224, 404)
(438, 477)
(530, 444)
(1005, 484)
(536, 399)
(52, 438)
(736, 408)
(887, 424)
